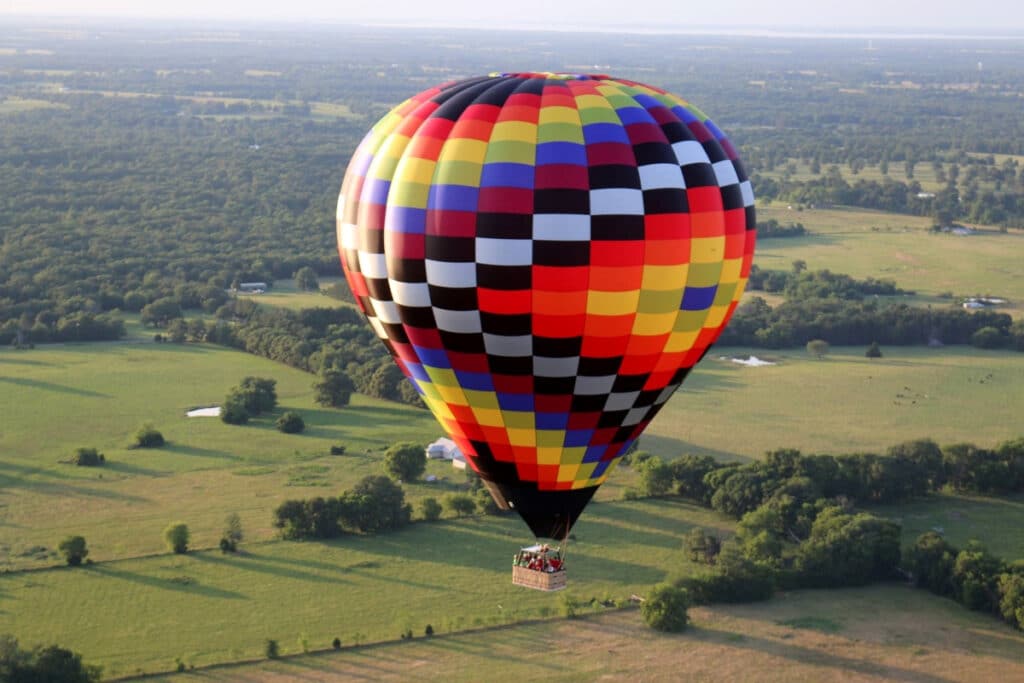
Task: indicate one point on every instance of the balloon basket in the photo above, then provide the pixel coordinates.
(539, 567)
(539, 580)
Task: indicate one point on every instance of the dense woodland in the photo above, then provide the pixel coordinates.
(141, 166)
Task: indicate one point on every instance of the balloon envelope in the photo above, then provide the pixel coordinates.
(546, 256)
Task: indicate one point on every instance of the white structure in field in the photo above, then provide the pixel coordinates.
(445, 449)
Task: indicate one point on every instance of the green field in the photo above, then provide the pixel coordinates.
(58, 398)
(900, 248)
(207, 607)
(285, 294)
(843, 403)
(882, 633)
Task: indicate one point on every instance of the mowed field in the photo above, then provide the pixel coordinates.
(881, 633)
(843, 403)
(206, 607)
(900, 248)
(58, 398)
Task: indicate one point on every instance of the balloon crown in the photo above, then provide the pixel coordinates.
(551, 75)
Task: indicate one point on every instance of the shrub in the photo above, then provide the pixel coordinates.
(665, 608)
(271, 649)
(431, 509)
(405, 461)
(460, 504)
(177, 536)
(148, 437)
(873, 351)
(233, 412)
(337, 450)
(290, 423)
(74, 550)
(336, 643)
(428, 631)
(88, 457)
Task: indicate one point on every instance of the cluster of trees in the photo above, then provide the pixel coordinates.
(907, 470)
(374, 504)
(849, 323)
(797, 527)
(334, 343)
(972, 576)
(801, 283)
(772, 228)
(43, 664)
(253, 396)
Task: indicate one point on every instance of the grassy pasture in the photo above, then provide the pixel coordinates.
(58, 398)
(285, 294)
(881, 633)
(842, 404)
(207, 607)
(900, 248)
(996, 522)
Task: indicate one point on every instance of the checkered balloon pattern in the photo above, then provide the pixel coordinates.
(546, 256)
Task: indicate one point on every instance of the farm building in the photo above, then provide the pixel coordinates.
(445, 449)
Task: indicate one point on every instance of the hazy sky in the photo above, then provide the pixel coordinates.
(1006, 16)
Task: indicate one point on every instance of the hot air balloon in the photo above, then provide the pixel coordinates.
(546, 257)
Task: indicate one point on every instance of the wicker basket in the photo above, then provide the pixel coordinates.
(541, 581)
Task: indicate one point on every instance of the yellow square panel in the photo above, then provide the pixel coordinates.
(514, 130)
(707, 249)
(463, 149)
(452, 395)
(414, 170)
(653, 324)
(612, 303)
(716, 314)
(665, 278)
(413, 195)
(522, 437)
(731, 269)
(558, 115)
(482, 399)
(457, 173)
(442, 376)
(550, 438)
(585, 471)
(704, 274)
(488, 418)
(567, 472)
(557, 131)
(680, 341)
(519, 419)
(548, 455)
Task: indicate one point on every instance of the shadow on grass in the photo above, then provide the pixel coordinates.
(848, 666)
(178, 586)
(50, 386)
(8, 360)
(13, 475)
(670, 447)
(265, 565)
(122, 467)
(181, 449)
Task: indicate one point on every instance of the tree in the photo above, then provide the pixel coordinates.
(88, 457)
(233, 411)
(232, 535)
(306, 280)
(74, 550)
(655, 476)
(148, 437)
(271, 649)
(431, 509)
(873, 351)
(817, 348)
(1011, 599)
(259, 394)
(460, 504)
(930, 560)
(987, 338)
(290, 423)
(703, 548)
(176, 535)
(375, 503)
(43, 664)
(405, 461)
(665, 608)
(334, 388)
(160, 312)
